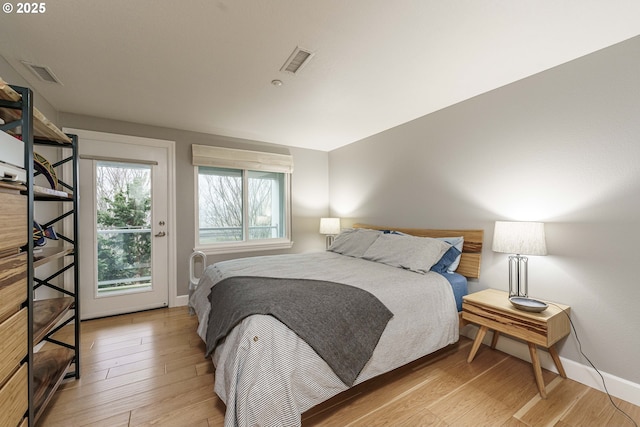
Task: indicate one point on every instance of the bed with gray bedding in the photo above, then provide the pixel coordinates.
(267, 375)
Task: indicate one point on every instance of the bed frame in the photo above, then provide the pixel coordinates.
(471, 252)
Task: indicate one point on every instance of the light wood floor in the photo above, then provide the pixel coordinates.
(148, 369)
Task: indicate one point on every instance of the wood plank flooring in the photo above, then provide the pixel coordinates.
(148, 369)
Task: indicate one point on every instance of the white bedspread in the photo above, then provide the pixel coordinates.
(266, 375)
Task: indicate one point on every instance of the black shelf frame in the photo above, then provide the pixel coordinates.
(25, 125)
(73, 159)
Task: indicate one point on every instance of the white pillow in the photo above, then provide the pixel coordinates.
(417, 254)
(354, 241)
(458, 243)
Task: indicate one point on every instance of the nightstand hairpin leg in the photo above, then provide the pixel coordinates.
(537, 370)
(556, 359)
(476, 343)
(494, 340)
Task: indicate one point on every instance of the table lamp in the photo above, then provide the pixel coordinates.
(330, 227)
(518, 239)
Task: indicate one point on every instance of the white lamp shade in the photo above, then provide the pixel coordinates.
(330, 226)
(521, 238)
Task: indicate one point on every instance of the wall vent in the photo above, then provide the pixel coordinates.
(42, 72)
(298, 59)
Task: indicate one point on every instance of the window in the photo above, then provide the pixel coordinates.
(242, 200)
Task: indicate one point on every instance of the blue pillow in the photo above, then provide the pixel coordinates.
(393, 232)
(447, 259)
(458, 242)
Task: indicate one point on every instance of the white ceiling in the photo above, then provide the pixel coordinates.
(206, 65)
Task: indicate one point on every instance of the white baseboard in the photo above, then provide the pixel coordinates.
(618, 387)
(180, 300)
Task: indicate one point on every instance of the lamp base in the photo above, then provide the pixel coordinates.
(528, 304)
(329, 240)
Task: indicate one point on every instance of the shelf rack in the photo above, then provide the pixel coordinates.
(48, 367)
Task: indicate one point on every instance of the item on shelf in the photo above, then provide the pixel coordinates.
(12, 173)
(43, 166)
(48, 191)
(12, 149)
(39, 234)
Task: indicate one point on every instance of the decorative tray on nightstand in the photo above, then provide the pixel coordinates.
(528, 304)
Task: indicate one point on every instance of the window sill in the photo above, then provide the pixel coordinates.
(244, 247)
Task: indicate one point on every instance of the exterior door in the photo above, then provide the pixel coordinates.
(124, 207)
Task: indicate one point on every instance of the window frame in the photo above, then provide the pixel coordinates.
(245, 245)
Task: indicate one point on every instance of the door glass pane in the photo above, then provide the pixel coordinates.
(265, 201)
(123, 197)
(220, 205)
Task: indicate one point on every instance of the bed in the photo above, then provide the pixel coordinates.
(267, 375)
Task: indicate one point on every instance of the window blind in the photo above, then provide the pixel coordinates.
(206, 155)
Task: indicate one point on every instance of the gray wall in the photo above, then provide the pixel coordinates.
(309, 185)
(561, 147)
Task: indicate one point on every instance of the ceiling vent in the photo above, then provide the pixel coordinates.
(43, 73)
(298, 59)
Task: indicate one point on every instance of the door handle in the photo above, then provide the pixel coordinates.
(161, 234)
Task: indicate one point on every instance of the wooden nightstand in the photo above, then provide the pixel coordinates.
(491, 309)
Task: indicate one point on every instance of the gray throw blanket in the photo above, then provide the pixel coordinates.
(341, 323)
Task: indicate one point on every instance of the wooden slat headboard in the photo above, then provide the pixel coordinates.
(471, 252)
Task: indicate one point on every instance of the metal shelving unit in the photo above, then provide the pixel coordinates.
(58, 359)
